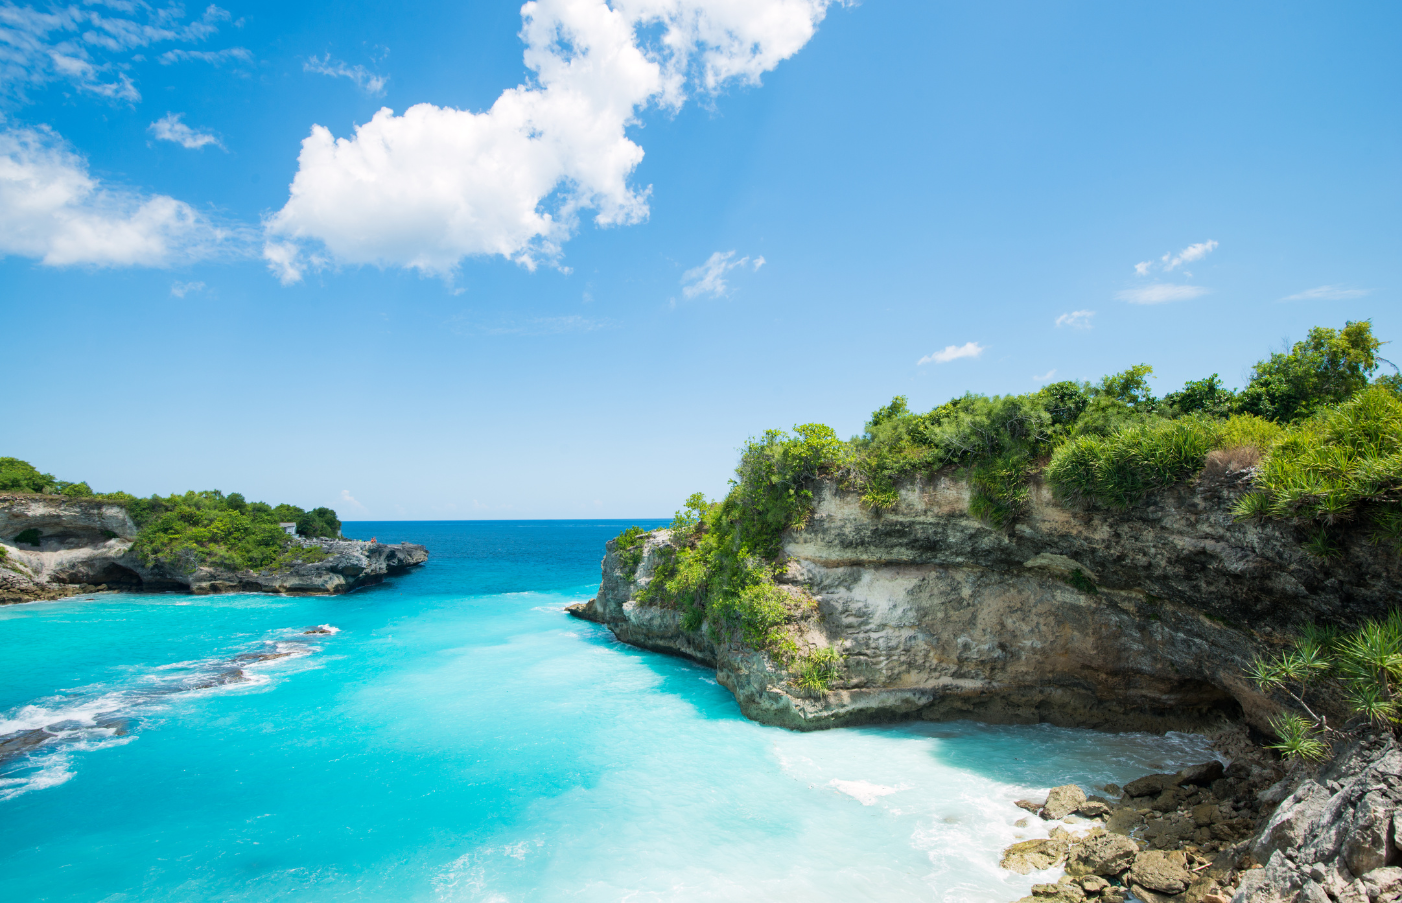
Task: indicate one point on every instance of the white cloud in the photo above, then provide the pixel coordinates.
(213, 57)
(434, 185)
(350, 499)
(366, 80)
(53, 210)
(1170, 261)
(1045, 376)
(170, 128)
(88, 45)
(181, 289)
(1190, 254)
(709, 277)
(1160, 292)
(1076, 319)
(952, 353)
(1328, 293)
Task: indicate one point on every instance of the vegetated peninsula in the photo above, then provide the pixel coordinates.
(1087, 555)
(60, 538)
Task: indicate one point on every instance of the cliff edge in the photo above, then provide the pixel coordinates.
(1135, 620)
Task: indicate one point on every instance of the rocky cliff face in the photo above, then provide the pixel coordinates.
(1136, 620)
(86, 543)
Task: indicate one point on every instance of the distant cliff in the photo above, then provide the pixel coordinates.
(87, 543)
(1144, 619)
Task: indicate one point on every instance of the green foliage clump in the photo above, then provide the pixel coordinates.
(29, 537)
(21, 476)
(1327, 368)
(818, 669)
(210, 528)
(1366, 662)
(629, 547)
(1345, 463)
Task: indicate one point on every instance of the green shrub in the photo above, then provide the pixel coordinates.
(1366, 662)
(1327, 368)
(1345, 460)
(818, 669)
(628, 545)
(29, 537)
(21, 476)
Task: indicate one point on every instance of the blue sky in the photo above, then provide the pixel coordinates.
(615, 241)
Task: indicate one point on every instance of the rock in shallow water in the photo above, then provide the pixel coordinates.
(1063, 801)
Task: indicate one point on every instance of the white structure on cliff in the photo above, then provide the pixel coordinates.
(290, 528)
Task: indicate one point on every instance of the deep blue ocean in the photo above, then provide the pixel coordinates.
(458, 737)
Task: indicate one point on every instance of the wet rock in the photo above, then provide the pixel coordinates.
(1162, 873)
(1063, 801)
(1029, 805)
(21, 742)
(1104, 854)
(1093, 884)
(1094, 809)
(1151, 785)
(1034, 855)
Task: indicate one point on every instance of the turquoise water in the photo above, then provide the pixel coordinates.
(459, 738)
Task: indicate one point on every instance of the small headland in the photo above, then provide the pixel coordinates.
(61, 539)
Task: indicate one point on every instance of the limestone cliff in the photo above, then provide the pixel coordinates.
(1143, 619)
(87, 543)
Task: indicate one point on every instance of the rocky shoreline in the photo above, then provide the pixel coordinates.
(1254, 831)
(86, 547)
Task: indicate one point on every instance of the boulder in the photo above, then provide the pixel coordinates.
(1151, 785)
(1162, 873)
(1107, 855)
(1202, 775)
(1093, 884)
(1293, 823)
(1366, 842)
(1094, 809)
(1063, 801)
(1384, 885)
(1034, 855)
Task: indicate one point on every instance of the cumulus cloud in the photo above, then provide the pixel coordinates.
(709, 277)
(89, 45)
(53, 210)
(350, 499)
(434, 185)
(1160, 292)
(1045, 377)
(1327, 293)
(170, 128)
(366, 80)
(1076, 319)
(952, 353)
(1170, 261)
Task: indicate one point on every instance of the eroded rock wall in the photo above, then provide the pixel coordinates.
(1144, 619)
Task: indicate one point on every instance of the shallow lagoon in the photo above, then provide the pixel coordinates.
(460, 738)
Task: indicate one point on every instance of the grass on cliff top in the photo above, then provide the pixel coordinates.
(184, 531)
(1310, 413)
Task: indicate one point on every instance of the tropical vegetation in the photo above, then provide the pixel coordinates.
(1319, 429)
(195, 528)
